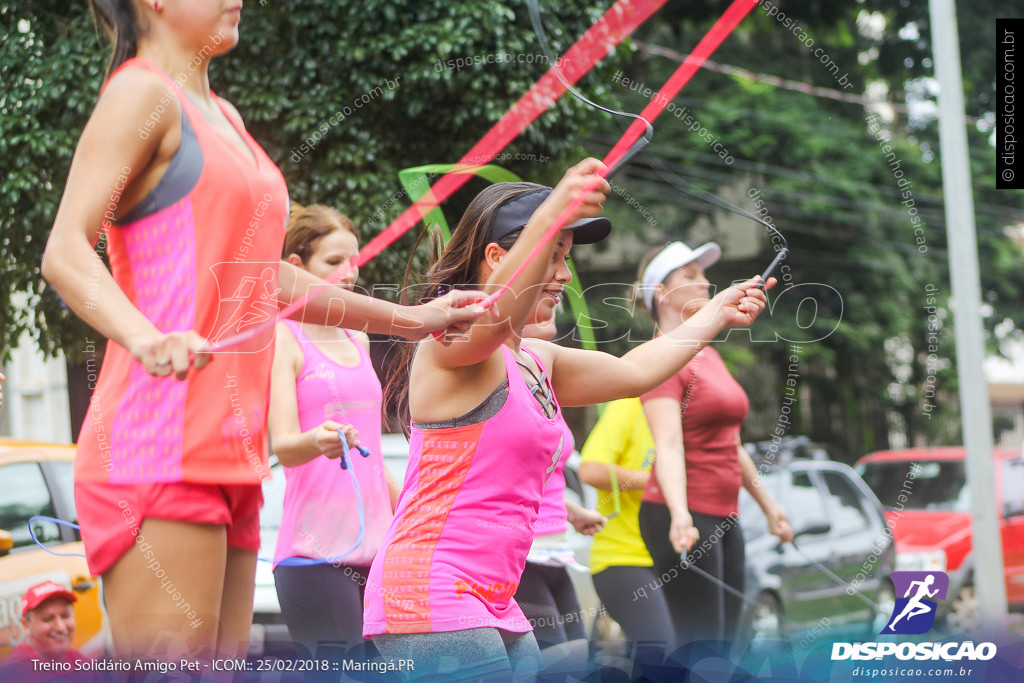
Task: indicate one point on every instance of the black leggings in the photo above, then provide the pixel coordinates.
(628, 595)
(548, 601)
(322, 602)
(700, 609)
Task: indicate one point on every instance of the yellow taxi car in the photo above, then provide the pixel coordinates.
(36, 479)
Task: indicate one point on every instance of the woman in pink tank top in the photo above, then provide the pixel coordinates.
(546, 593)
(192, 213)
(323, 383)
(487, 431)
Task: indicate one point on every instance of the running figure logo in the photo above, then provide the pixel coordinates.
(248, 298)
(914, 613)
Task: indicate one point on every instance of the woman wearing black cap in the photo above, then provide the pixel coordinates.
(695, 419)
(487, 431)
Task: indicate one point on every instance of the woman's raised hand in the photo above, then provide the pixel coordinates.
(737, 306)
(571, 184)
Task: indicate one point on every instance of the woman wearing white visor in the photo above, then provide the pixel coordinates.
(695, 419)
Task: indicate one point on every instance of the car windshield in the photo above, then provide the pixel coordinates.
(917, 485)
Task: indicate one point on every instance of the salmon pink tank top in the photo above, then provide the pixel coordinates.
(201, 252)
(456, 549)
(320, 519)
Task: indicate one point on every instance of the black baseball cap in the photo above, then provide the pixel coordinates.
(514, 215)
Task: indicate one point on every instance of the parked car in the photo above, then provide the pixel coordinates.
(37, 479)
(269, 633)
(927, 500)
(838, 522)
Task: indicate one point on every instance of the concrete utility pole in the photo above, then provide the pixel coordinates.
(970, 345)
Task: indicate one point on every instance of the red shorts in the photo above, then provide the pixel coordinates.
(110, 514)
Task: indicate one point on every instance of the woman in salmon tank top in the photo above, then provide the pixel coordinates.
(487, 431)
(192, 214)
(323, 385)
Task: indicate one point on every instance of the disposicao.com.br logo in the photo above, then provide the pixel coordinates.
(914, 614)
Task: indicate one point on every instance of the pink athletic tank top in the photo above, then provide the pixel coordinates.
(200, 253)
(456, 549)
(320, 517)
(553, 515)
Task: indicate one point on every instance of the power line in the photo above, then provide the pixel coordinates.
(796, 86)
(714, 168)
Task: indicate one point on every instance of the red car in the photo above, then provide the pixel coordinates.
(927, 503)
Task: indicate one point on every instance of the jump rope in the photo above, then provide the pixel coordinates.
(287, 561)
(686, 564)
(658, 102)
(335, 559)
(617, 23)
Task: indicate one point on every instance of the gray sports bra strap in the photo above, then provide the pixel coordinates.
(487, 409)
(178, 180)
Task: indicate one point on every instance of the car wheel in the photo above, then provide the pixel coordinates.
(964, 616)
(886, 602)
(766, 619)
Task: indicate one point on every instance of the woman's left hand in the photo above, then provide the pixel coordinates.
(778, 525)
(587, 522)
(740, 304)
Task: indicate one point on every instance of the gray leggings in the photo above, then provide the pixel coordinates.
(475, 653)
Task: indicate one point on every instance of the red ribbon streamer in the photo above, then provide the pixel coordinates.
(616, 24)
(708, 44)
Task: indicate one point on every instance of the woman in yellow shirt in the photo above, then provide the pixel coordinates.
(620, 565)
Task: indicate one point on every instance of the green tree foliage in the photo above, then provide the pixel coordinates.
(51, 63)
(861, 208)
(298, 64)
(827, 179)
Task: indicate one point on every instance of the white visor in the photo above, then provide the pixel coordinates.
(671, 258)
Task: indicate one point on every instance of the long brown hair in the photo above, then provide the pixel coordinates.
(120, 21)
(457, 267)
(307, 225)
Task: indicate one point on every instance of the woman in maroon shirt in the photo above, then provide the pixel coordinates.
(692, 500)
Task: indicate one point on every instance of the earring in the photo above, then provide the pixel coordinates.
(156, 5)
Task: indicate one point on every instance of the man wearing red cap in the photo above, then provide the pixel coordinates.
(49, 620)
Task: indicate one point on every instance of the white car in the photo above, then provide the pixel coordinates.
(269, 634)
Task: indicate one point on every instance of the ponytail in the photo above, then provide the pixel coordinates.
(121, 24)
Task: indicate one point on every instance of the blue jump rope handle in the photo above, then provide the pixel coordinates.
(345, 450)
(307, 561)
